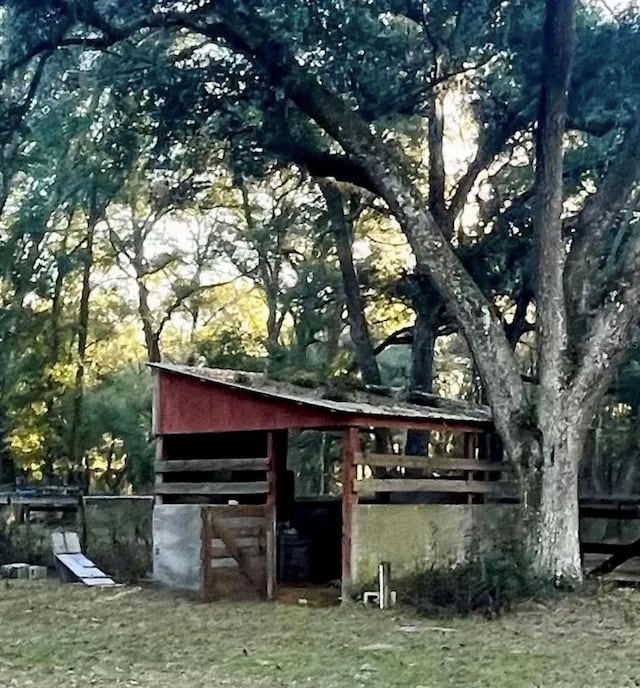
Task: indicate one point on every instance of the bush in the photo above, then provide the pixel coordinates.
(118, 537)
(488, 583)
(30, 541)
(125, 562)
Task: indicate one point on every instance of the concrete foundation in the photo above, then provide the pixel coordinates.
(177, 532)
(417, 537)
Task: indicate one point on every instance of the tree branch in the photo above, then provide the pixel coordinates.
(388, 173)
(325, 164)
(608, 339)
(593, 224)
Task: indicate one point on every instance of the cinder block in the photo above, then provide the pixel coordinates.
(15, 571)
(37, 572)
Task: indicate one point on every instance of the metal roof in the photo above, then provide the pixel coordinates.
(356, 402)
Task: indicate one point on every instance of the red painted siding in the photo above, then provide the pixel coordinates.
(188, 405)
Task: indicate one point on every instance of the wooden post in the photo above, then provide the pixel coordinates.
(270, 517)
(159, 441)
(350, 447)
(155, 430)
(205, 555)
(469, 452)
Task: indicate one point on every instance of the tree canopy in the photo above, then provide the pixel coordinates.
(302, 187)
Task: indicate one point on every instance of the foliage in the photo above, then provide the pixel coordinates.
(491, 581)
(116, 431)
(489, 586)
(118, 537)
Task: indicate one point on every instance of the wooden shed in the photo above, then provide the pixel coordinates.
(225, 498)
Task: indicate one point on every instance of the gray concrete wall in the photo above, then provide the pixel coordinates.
(177, 530)
(418, 536)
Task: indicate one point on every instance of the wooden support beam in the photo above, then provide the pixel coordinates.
(390, 423)
(270, 517)
(470, 441)
(155, 404)
(186, 465)
(350, 448)
(159, 456)
(205, 556)
(371, 486)
(212, 488)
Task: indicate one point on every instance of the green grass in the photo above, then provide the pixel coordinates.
(64, 636)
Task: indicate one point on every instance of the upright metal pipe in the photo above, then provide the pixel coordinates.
(384, 591)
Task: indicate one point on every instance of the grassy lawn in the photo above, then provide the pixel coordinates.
(64, 636)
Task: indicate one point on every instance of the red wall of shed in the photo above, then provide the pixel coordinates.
(189, 405)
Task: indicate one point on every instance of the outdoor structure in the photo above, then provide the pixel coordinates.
(227, 520)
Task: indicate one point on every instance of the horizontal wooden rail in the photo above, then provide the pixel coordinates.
(239, 513)
(433, 463)
(370, 486)
(186, 465)
(601, 547)
(613, 512)
(212, 488)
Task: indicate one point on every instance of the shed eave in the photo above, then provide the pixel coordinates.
(349, 413)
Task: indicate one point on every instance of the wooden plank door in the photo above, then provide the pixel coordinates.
(236, 542)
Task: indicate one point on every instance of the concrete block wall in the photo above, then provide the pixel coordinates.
(177, 533)
(417, 536)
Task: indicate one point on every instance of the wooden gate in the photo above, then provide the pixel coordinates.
(238, 552)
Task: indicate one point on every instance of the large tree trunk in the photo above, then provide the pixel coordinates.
(54, 353)
(549, 494)
(561, 428)
(151, 336)
(342, 230)
(83, 332)
(422, 358)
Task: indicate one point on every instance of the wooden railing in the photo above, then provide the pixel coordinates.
(183, 477)
(188, 465)
(470, 482)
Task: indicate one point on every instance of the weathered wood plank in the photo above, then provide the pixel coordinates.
(350, 448)
(613, 512)
(249, 546)
(246, 541)
(451, 464)
(434, 463)
(229, 584)
(270, 517)
(602, 547)
(237, 513)
(186, 465)
(224, 563)
(248, 531)
(371, 486)
(159, 451)
(206, 584)
(212, 488)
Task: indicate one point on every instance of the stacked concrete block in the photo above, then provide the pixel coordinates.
(15, 571)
